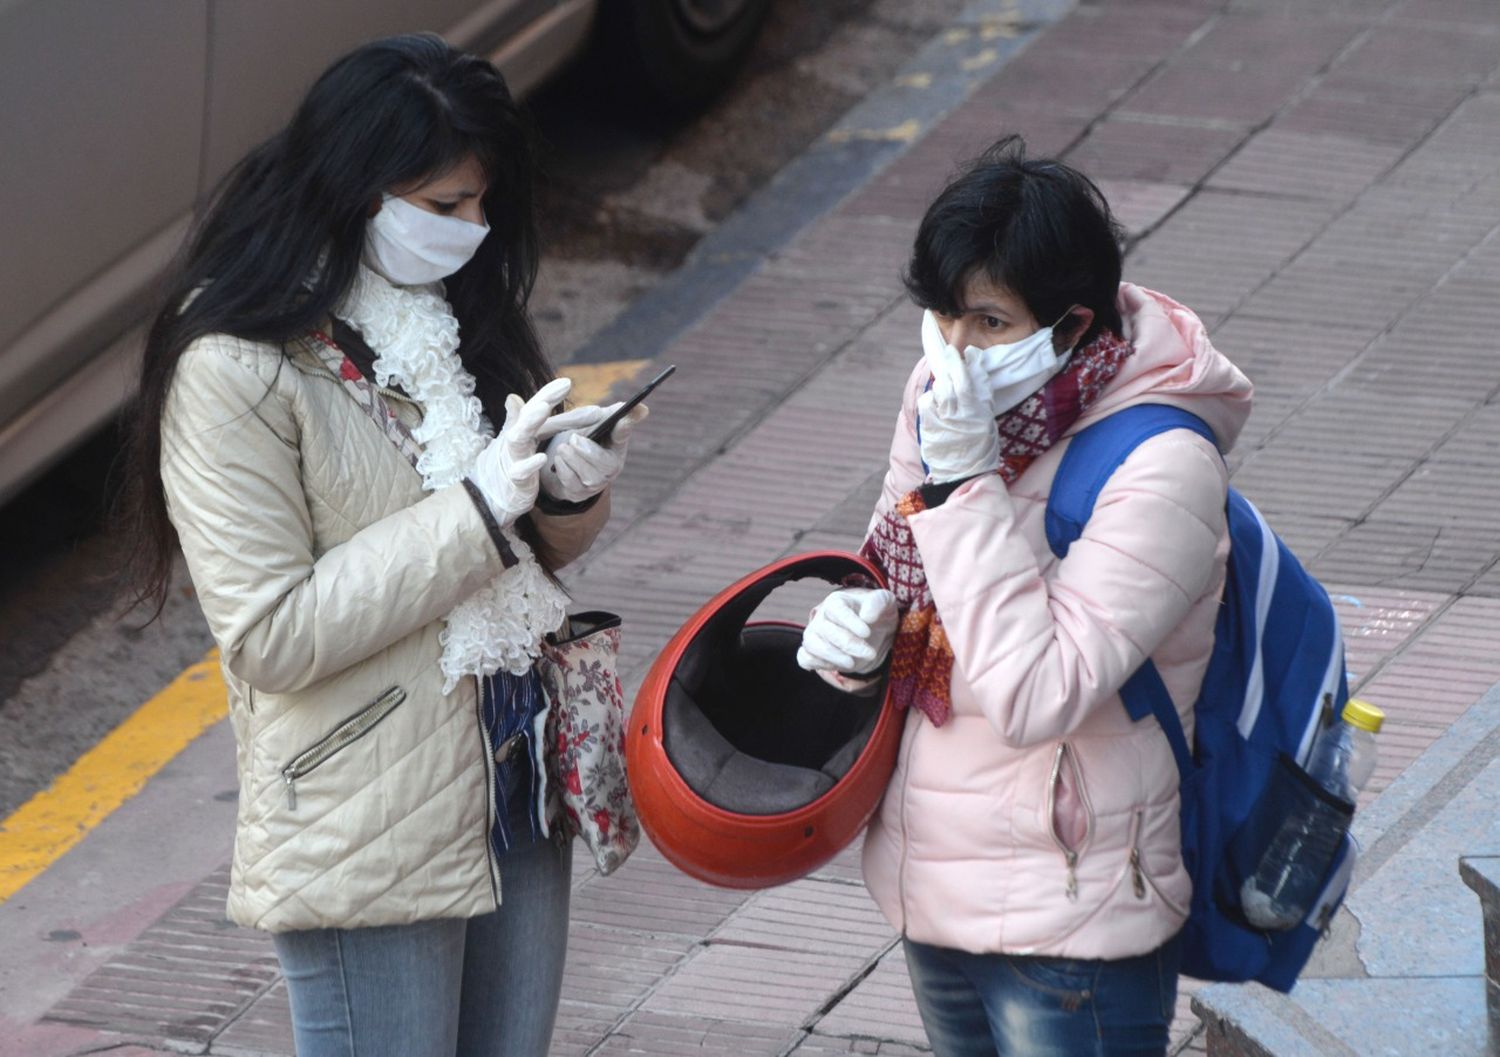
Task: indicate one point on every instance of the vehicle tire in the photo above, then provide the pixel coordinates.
(679, 53)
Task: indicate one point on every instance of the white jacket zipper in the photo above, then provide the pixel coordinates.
(1070, 855)
(345, 734)
(1139, 879)
(1137, 875)
(910, 741)
(492, 807)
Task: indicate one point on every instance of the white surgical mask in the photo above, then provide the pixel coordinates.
(409, 245)
(1015, 371)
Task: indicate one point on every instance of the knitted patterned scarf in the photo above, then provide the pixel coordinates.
(922, 660)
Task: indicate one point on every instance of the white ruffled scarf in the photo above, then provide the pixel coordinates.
(414, 336)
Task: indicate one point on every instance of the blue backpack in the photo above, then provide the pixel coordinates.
(1275, 676)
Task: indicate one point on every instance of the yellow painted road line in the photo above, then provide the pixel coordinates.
(44, 828)
(593, 381)
(979, 61)
(906, 132)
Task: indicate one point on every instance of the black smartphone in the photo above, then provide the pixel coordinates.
(602, 433)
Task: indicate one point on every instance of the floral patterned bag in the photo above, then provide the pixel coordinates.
(585, 735)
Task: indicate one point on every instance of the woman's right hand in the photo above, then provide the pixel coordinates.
(957, 434)
(508, 472)
(850, 631)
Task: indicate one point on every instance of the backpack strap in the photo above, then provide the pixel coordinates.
(1145, 695)
(1091, 458)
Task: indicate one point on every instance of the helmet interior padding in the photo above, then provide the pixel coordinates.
(751, 732)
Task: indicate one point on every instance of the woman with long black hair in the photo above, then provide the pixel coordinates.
(316, 428)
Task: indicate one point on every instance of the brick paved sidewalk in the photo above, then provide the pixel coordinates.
(1320, 181)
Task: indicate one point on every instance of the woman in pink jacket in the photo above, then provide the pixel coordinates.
(1028, 845)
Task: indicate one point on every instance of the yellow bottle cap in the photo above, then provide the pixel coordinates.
(1363, 715)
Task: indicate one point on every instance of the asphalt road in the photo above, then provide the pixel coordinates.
(626, 194)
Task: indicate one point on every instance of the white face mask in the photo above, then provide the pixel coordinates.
(1015, 371)
(408, 245)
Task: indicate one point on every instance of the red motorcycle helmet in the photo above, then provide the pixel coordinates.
(748, 771)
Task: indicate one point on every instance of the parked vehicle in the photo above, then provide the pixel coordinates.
(118, 116)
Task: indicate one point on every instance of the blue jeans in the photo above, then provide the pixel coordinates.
(482, 987)
(1000, 1005)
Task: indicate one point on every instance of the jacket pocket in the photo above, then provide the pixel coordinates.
(1140, 880)
(338, 739)
(1070, 819)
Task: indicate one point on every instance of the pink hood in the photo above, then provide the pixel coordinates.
(1174, 363)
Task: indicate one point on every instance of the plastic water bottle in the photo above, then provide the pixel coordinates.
(1281, 891)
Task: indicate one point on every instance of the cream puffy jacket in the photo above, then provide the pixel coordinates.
(1039, 819)
(324, 571)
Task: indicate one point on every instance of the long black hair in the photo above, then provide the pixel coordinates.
(1034, 226)
(281, 241)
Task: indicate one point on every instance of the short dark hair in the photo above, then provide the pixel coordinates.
(1036, 227)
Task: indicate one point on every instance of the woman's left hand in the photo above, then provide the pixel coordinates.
(577, 469)
(958, 435)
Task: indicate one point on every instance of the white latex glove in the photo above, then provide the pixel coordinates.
(850, 631)
(958, 434)
(577, 468)
(508, 472)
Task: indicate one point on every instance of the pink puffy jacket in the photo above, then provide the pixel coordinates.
(1039, 819)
